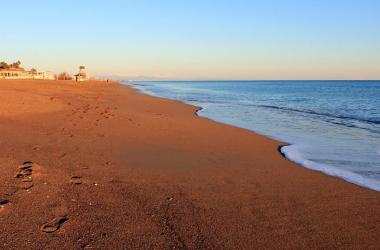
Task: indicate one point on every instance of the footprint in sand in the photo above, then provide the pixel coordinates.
(54, 224)
(75, 180)
(3, 202)
(24, 170)
(24, 173)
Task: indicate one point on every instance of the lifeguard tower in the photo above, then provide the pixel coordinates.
(82, 75)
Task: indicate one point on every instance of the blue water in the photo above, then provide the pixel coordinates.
(331, 126)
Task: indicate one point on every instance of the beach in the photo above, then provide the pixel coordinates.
(98, 165)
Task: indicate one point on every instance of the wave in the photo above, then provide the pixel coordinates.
(307, 111)
(291, 153)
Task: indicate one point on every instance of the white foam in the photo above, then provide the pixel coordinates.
(294, 155)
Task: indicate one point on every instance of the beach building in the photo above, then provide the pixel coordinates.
(22, 74)
(82, 75)
(41, 75)
(13, 73)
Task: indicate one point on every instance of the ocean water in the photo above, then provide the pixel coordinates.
(330, 126)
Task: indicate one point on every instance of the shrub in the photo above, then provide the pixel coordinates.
(64, 76)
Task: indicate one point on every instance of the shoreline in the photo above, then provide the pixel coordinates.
(115, 168)
(282, 144)
(329, 170)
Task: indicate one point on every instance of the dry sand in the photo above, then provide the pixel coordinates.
(108, 168)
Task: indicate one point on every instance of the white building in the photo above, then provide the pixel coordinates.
(13, 73)
(22, 74)
(42, 75)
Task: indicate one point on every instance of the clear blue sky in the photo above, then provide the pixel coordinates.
(196, 39)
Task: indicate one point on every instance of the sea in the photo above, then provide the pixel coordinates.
(328, 126)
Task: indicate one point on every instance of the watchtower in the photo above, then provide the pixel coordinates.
(82, 71)
(82, 75)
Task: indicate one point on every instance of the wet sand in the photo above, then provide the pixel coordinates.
(100, 166)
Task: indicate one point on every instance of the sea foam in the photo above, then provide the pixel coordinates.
(292, 153)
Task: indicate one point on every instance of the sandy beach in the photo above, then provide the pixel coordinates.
(100, 166)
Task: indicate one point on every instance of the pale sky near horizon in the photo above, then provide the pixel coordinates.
(196, 39)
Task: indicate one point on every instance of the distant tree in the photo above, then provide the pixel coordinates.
(33, 71)
(64, 76)
(15, 65)
(4, 65)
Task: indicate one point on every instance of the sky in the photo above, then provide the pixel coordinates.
(196, 39)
